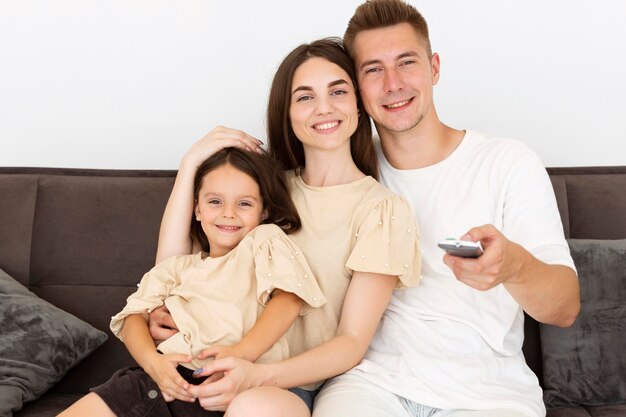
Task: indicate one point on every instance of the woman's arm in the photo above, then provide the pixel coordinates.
(174, 235)
(161, 368)
(280, 313)
(365, 301)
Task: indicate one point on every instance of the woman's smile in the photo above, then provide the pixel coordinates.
(327, 127)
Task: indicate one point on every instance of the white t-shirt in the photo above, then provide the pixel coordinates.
(444, 344)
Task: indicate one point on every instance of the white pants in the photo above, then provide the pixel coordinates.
(351, 395)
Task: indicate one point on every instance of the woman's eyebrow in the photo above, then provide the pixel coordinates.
(302, 88)
(309, 88)
(337, 82)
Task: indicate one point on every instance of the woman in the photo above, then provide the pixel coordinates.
(360, 239)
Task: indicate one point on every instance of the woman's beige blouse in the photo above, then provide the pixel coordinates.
(361, 226)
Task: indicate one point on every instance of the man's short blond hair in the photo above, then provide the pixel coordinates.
(376, 14)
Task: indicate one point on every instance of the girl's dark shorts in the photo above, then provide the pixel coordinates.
(132, 393)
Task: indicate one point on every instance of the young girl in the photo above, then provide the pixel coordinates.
(360, 239)
(214, 296)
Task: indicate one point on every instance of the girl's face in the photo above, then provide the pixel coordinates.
(229, 206)
(323, 109)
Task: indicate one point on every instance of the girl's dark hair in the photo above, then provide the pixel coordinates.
(272, 184)
(284, 146)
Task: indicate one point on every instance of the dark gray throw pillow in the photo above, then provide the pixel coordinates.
(585, 364)
(39, 343)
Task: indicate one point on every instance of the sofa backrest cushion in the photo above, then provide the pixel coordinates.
(592, 201)
(82, 239)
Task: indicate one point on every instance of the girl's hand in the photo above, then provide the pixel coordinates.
(219, 138)
(162, 369)
(239, 375)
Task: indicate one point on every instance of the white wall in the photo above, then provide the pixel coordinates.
(133, 83)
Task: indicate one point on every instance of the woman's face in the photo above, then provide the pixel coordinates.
(323, 110)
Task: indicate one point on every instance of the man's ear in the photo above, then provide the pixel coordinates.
(435, 67)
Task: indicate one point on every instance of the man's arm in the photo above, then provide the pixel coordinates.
(161, 325)
(548, 293)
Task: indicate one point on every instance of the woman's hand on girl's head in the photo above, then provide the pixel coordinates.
(239, 375)
(217, 139)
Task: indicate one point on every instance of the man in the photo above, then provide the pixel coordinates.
(452, 346)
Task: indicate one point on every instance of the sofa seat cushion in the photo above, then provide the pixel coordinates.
(48, 405)
(614, 410)
(39, 344)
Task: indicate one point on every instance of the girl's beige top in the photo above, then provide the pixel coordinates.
(216, 301)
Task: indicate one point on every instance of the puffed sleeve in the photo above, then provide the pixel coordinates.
(280, 264)
(151, 292)
(387, 242)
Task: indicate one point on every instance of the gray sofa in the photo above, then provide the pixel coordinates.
(81, 239)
